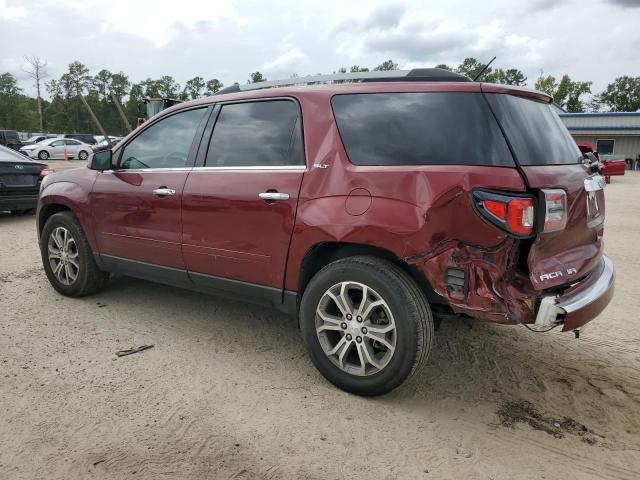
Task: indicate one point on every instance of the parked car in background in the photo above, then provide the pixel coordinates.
(87, 138)
(102, 143)
(54, 148)
(10, 138)
(611, 164)
(20, 180)
(365, 210)
(37, 138)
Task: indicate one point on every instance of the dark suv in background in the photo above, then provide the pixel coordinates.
(369, 210)
(10, 139)
(87, 138)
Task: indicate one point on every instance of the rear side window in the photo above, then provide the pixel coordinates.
(257, 134)
(420, 129)
(535, 132)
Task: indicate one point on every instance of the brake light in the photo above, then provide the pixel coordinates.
(46, 171)
(555, 206)
(516, 215)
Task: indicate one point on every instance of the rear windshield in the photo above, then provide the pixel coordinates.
(535, 132)
(420, 129)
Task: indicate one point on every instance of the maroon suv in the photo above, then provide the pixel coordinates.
(366, 209)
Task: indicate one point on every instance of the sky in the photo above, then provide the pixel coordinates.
(595, 40)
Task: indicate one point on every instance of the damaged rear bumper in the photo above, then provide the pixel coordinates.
(582, 302)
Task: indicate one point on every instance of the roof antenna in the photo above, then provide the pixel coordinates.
(483, 70)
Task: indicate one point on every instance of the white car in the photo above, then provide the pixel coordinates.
(55, 148)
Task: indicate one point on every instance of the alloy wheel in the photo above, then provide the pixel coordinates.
(63, 255)
(356, 328)
(82, 155)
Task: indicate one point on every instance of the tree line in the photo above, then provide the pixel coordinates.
(63, 111)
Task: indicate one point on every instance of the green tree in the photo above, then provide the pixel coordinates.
(213, 86)
(168, 87)
(511, 76)
(102, 82)
(471, 67)
(256, 77)
(193, 88)
(566, 93)
(357, 68)
(9, 85)
(387, 65)
(444, 66)
(622, 95)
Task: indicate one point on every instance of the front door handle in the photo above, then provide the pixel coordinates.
(164, 192)
(273, 196)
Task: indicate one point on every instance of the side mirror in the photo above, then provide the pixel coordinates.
(101, 160)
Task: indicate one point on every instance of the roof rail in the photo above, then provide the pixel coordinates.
(415, 75)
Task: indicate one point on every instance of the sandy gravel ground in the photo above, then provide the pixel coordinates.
(229, 393)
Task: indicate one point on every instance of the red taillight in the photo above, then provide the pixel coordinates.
(520, 216)
(46, 171)
(516, 215)
(555, 215)
(498, 209)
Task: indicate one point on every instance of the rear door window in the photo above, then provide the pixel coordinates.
(425, 128)
(535, 132)
(257, 134)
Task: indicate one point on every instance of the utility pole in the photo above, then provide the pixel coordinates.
(121, 111)
(95, 119)
(37, 72)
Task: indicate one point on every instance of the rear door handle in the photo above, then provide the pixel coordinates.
(164, 192)
(273, 196)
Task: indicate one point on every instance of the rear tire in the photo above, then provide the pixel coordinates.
(43, 155)
(67, 257)
(386, 343)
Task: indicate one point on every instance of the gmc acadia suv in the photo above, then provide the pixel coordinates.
(366, 209)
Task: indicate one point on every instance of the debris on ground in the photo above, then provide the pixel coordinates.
(130, 351)
(521, 411)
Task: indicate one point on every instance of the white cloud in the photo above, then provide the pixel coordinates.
(159, 21)
(286, 64)
(9, 12)
(229, 39)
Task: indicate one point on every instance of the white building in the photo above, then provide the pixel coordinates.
(615, 134)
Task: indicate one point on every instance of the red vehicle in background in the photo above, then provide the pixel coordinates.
(610, 167)
(370, 211)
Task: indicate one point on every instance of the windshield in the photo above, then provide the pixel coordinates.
(534, 130)
(33, 139)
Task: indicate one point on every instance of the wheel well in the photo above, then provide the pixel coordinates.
(325, 253)
(47, 211)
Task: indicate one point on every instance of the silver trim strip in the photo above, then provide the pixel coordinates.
(296, 168)
(349, 76)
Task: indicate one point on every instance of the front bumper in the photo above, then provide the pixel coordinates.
(582, 302)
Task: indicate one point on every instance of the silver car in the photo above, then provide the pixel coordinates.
(55, 148)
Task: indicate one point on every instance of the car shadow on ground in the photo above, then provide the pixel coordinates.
(471, 361)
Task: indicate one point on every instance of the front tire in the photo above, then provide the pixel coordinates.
(67, 257)
(43, 155)
(82, 155)
(366, 324)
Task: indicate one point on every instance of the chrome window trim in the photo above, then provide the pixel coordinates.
(297, 168)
